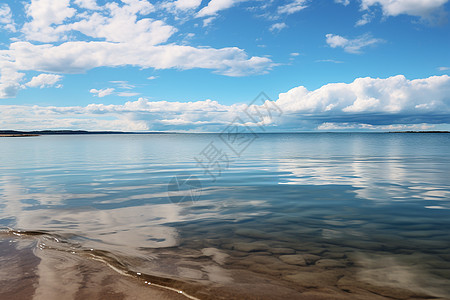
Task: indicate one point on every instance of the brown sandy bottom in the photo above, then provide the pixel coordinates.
(27, 272)
(31, 268)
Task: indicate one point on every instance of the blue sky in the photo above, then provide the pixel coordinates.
(187, 65)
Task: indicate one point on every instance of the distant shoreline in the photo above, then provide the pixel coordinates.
(9, 133)
(18, 135)
(434, 131)
(14, 133)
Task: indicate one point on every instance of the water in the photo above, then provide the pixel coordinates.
(294, 216)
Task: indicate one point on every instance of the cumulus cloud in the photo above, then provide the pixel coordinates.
(75, 57)
(327, 126)
(44, 14)
(106, 42)
(422, 8)
(102, 93)
(116, 23)
(292, 7)
(133, 115)
(79, 57)
(44, 80)
(214, 6)
(277, 27)
(392, 103)
(9, 81)
(113, 23)
(6, 20)
(351, 45)
(87, 4)
(375, 101)
(183, 5)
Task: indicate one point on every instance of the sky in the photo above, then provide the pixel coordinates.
(193, 65)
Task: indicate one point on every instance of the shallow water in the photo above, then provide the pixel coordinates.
(293, 216)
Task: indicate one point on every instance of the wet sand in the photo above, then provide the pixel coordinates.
(26, 272)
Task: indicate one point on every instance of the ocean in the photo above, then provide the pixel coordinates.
(223, 216)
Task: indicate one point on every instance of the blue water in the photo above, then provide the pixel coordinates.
(377, 204)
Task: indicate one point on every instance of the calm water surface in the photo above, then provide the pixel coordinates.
(352, 214)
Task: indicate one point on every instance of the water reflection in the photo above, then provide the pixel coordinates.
(379, 179)
(300, 208)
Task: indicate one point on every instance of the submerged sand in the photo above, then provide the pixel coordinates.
(26, 272)
(30, 268)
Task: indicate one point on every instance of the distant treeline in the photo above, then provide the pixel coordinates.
(435, 131)
(68, 132)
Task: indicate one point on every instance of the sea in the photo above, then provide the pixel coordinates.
(225, 216)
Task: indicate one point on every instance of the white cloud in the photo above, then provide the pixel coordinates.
(328, 126)
(102, 93)
(152, 77)
(112, 23)
(365, 19)
(9, 81)
(293, 7)
(366, 103)
(351, 45)
(127, 94)
(444, 68)
(294, 54)
(335, 40)
(330, 61)
(214, 6)
(184, 4)
(6, 20)
(75, 57)
(109, 42)
(44, 14)
(277, 27)
(87, 4)
(374, 100)
(116, 24)
(419, 8)
(208, 21)
(133, 115)
(78, 57)
(123, 84)
(44, 80)
(343, 2)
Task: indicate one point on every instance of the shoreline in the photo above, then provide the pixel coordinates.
(19, 135)
(35, 273)
(16, 133)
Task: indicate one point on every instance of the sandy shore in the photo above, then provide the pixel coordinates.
(29, 273)
(18, 135)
